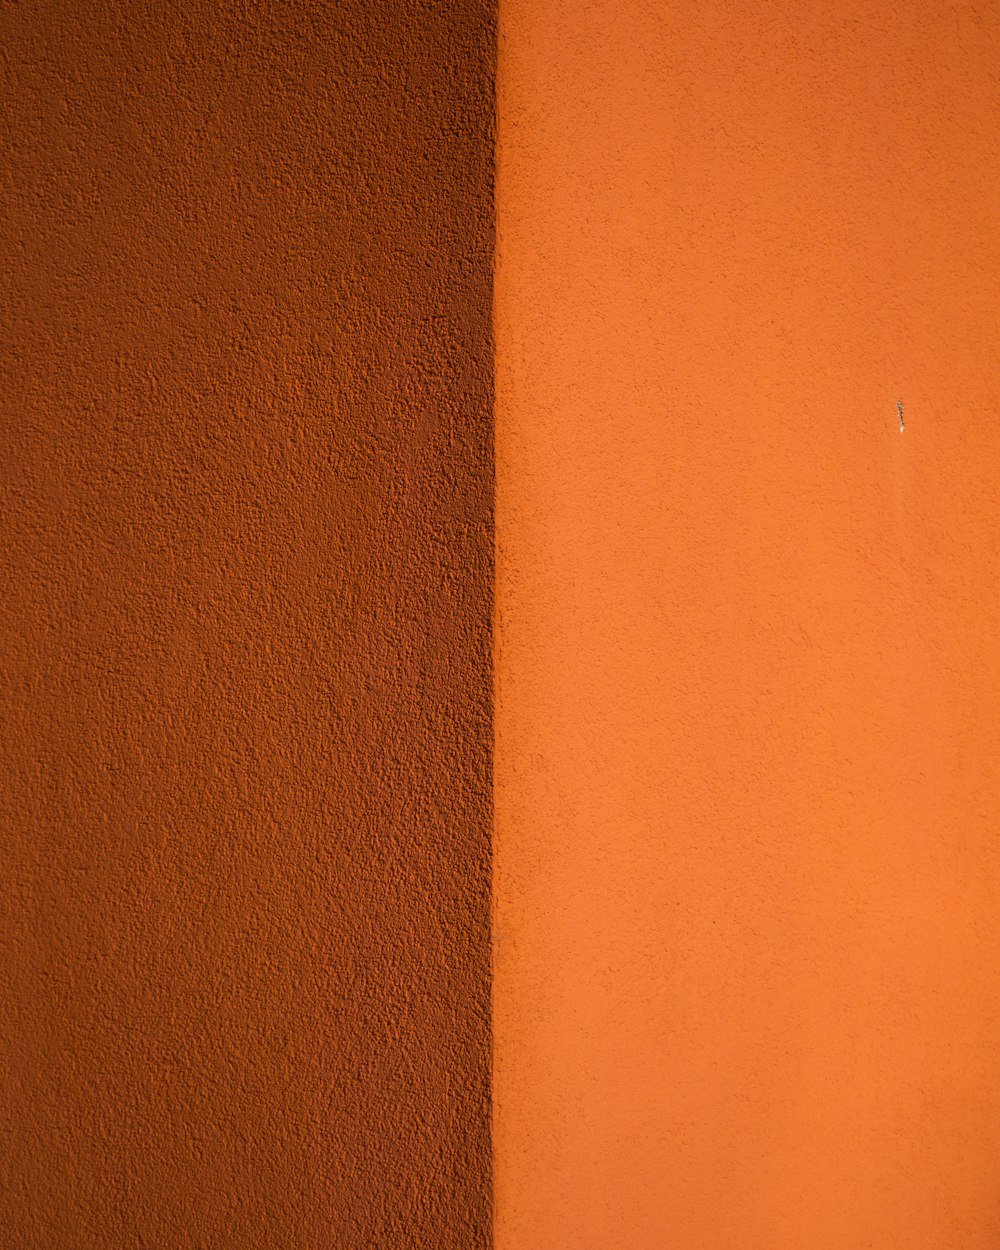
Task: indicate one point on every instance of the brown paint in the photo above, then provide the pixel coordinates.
(747, 857)
(245, 652)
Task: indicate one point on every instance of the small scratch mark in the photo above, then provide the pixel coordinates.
(899, 413)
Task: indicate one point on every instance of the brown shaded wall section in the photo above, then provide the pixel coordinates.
(245, 652)
(747, 855)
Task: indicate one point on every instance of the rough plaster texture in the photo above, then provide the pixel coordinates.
(245, 651)
(747, 849)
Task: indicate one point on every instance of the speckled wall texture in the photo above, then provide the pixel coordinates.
(747, 845)
(245, 648)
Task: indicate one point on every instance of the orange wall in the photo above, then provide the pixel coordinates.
(747, 861)
(245, 483)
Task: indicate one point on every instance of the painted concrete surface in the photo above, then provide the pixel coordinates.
(747, 845)
(244, 653)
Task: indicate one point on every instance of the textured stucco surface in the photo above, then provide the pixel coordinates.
(246, 476)
(747, 848)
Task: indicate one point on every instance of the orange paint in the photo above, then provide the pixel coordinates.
(245, 671)
(747, 857)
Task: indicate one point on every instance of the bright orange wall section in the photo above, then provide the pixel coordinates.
(747, 937)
